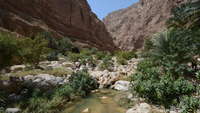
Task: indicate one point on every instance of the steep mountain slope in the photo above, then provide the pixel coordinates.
(129, 27)
(70, 18)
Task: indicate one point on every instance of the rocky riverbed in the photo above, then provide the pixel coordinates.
(117, 78)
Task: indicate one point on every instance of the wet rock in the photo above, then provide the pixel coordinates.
(122, 85)
(17, 68)
(77, 64)
(14, 97)
(68, 64)
(13, 110)
(87, 110)
(142, 108)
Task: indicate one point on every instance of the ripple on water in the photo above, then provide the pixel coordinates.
(99, 102)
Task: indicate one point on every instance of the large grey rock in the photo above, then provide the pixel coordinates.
(14, 97)
(77, 64)
(142, 108)
(68, 64)
(122, 85)
(17, 68)
(45, 82)
(13, 110)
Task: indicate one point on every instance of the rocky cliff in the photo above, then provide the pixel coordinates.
(63, 18)
(129, 27)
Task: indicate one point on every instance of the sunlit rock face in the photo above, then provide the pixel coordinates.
(63, 18)
(129, 27)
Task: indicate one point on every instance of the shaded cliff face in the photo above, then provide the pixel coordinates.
(70, 18)
(129, 27)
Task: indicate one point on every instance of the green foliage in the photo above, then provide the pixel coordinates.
(8, 49)
(74, 57)
(33, 51)
(81, 82)
(86, 52)
(100, 55)
(148, 43)
(75, 49)
(107, 62)
(2, 101)
(52, 56)
(186, 16)
(157, 87)
(189, 104)
(123, 56)
(51, 42)
(64, 45)
(172, 51)
(94, 50)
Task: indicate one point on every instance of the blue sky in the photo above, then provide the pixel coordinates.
(102, 7)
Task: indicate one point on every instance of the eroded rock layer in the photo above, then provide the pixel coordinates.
(129, 27)
(70, 18)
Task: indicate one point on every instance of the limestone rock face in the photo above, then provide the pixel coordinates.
(62, 18)
(129, 27)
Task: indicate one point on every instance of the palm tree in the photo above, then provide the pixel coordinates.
(187, 16)
(172, 51)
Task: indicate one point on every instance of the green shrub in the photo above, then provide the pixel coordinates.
(107, 62)
(86, 52)
(94, 50)
(160, 88)
(81, 82)
(148, 43)
(8, 49)
(74, 57)
(64, 45)
(2, 101)
(33, 51)
(100, 55)
(189, 104)
(53, 56)
(123, 56)
(75, 49)
(51, 42)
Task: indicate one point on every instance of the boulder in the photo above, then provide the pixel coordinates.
(77, 64)
(68, 64)
(13, 110)
(87, 110)
(14, 97)
(17, 68)
(45, 82)
(142, 108)
(122, 85)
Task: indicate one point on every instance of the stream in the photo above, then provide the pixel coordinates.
(99, 102)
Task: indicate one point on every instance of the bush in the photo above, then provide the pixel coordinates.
(189, 104)
(107, 62)
(100, 55)
(8, 49)
(74, 57)
(53, 56)
(157, 87)
(86, 52)
(75, 49)
(123, 56)
(64, 45)
(82, 83)
(33, 51)
(51, 42)
(148, 43)
(94, 50)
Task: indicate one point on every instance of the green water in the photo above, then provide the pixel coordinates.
(96, 104)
